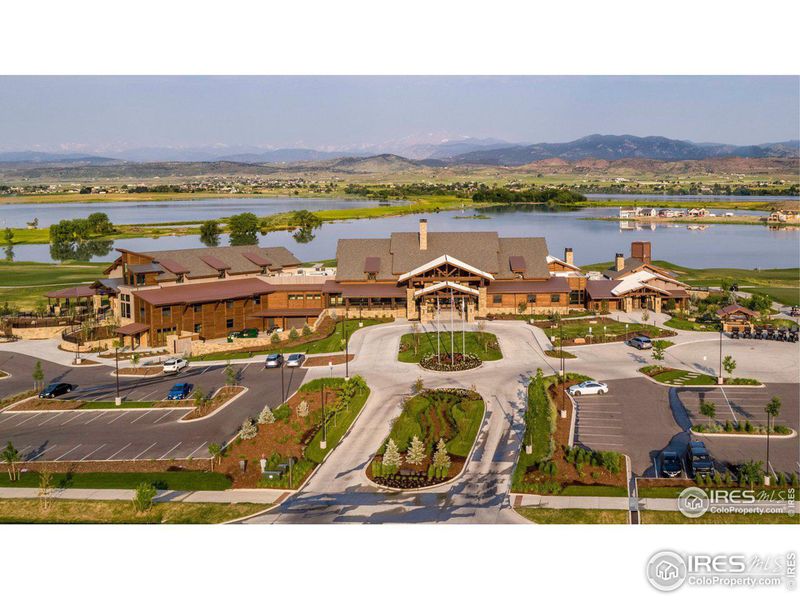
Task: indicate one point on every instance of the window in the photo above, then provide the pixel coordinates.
(220, 274)
(497, 299)
(372, 276)
(198, 327)
(229, 304)
(166, 312)
(576, 297)
(141, 313)
(179, 278)
(140, 279)
(315, 296)
(229, 323)
(257, 300)
(197, 308)
(531, 298)
(555, 298)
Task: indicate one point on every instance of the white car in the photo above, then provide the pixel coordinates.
(588, 388)
(173, 365)
(295, 360)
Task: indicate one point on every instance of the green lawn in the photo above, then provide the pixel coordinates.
(30, 280)
(336, 427)
(573, 516)
(666, 517)
(332, 343)
(106, 405)
(168, 480)
(430, 413)
(122, 511)
(594, 490)
(686, 325)
(476, 343)
(674, 491)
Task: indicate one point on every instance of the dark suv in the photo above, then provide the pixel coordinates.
(56, 389)
(699, 460)
(671, 464)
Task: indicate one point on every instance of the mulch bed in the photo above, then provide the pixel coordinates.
(119, 466)
(223, 396)
(461, 362)
(411, 477)
(322, 361)
(286, 437)
(141, 371)
(47, 404)
(664, 482)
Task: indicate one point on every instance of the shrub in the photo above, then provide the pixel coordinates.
(306, 329)
(302, 409)
(248, 430)
(145, 494)
(794, 479)
(728, 426)
(282, 412)
(275, 338)
(293, 335)
(266, 417)
(748, 426)
(431, 471)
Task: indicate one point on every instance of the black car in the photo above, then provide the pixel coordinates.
(699, 460)
(56, 389)
(671, 464)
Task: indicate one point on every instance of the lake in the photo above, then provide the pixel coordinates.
(745, 246)
(144, 212)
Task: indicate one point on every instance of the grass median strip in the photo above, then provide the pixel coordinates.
(168, 480)
(415, 346)
(122, 511)
(569, 516)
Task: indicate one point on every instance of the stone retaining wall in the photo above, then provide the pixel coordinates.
(37, 333)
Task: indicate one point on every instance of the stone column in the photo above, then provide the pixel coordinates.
(411, 304)
(483, 302)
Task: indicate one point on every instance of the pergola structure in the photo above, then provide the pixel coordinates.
(79, 297)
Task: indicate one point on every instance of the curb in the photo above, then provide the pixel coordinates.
(184, 420)
(772, 436)
(711, 385)
(437, 485)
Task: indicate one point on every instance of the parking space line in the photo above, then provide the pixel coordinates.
(50, 419)
(142, 415)
(170, 450)
(43, 451)
(729, 404)
(67, 452)
(28, 419)
(9, 418)
(145, 450)
(196, 449)
(97, 416)
(203, 372)
(119, 416)
(245, 368)
(146, 396)
(92, 452)
(601, 435)
(120, 450)
(166, 414)
(73, 418)
(600, 427)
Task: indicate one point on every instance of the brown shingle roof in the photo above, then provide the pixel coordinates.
(372, 264)
(81, 291)
(215, 263)
(240, 259)
(600, 289)
(736, 308)
(196, 293)
(132, 328)
(373, 290)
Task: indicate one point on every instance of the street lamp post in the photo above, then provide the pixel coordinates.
(767, 478)
(323, 443)
(626, 332)
(562, 366)
(117, 398)
(283, 388)
(720, 379)
(346, 353)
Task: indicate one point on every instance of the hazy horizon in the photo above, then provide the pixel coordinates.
(110, 115)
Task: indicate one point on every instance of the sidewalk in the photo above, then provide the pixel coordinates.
(265, 496)
(592, 502)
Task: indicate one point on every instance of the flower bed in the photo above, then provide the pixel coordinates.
(446, 362)
(141, 371)
(430, 440)
(683, 378)
(742, 428)
(576, 331)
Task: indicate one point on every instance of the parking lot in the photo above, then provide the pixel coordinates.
(146, 433)
(633, 418)
(740, 404)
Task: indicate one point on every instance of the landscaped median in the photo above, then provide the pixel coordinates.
(547, 464)
(289, 438)
(430, 441)
(599, 330)
(449, 352)
(683, 378)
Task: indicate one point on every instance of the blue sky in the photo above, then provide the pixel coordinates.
(114, 113)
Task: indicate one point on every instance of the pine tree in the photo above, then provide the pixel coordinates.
(266, 417)
(391, 456)
(302, 409)
(248, 430)
(416, 452)
(440, 458)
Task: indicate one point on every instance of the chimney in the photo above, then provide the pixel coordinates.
(423, 234)
(619, 262)
(569, 256)
(641, 251)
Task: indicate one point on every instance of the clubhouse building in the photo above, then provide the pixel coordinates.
(164, 298)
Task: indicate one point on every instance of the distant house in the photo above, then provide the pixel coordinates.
(783, 216)
(666, 213)
(697, 212)
(734, 316)
(629, 213)
(649, 212)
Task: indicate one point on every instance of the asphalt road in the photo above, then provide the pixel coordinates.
(155, 433)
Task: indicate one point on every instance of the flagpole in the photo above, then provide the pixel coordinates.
(438, 342)
(463, 326)
(452, 331)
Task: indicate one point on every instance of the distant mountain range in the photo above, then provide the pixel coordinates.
(463, 151)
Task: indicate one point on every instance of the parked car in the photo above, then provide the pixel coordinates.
(295, 360)
(274, 329)
(244, 333)
(180, 391)
(173, 365)
(273, 361)
(56, 389)
(587, 388)
(642, 342)
(671, 464)
(698, 459)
